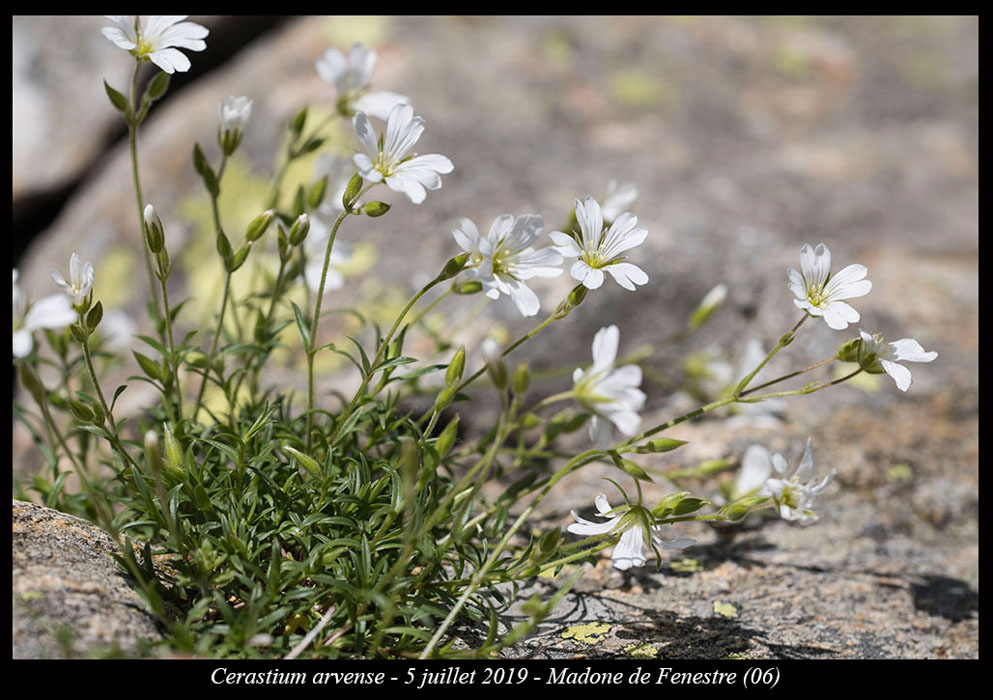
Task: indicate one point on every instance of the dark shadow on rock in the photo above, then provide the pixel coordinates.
(945, 597)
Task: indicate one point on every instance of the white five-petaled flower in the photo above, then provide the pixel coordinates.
(53, 311)
(879, 356)
(620, 195)
(350, 77)
(385, 158)
(234, 113)
(506, 256)
(821, 293)
(609, 393)
(795, 489)
(600, 250)
(80, 280)
(158, 38)
(630, 550)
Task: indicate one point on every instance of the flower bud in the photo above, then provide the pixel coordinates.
(467, 287)
(494, 363)
(454, 266)
(522, 379)
(238, 259)
(153, 459)
(153, 229)
(316, 194)
(351, 192)
(713, 299)
(299, 230)
(849, 352)
(456, 367)
(445, 398)
(447, 438)
(375, 209)
(233, 113)
(260, 225)
(94, 317)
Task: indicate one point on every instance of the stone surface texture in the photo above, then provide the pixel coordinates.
(747, 137)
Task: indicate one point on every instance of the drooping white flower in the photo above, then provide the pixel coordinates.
(630, 549)
(80, 280)
(610, 394)
(350, 77)
(600, 250)
(505, 257)
(385, 158)
(619, 197)
(795, 490)
(878, 356)
(158, 38)
(821, 293)
(53, 311)
(234, 113)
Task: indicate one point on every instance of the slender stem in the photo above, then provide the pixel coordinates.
(213, 345)
(115, 438)
(172, 352)
(133, 133)
(314, 323)
(783, 342)
(789, 376)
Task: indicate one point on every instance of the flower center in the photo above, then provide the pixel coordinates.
(817, 295)
(145, 47)
(593, 258)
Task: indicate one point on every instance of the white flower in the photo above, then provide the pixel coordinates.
(756, 468)
(630, 550)
(51, 312)
(609, 393)
(505, 257)
(351, 76)
(795, 491)
(821, 293)
(384, 158)
(601, 250)
(234, 113)
(878, 356)
(80, 280)
(158, 38)
(619, 197)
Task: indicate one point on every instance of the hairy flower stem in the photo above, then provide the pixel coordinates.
(115, 437)
(213, 344)
(314, 323)
(783, 342)
(822, 363)
(172, 353)
(133, 123)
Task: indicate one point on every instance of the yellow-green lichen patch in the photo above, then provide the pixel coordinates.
(735, 656)
(686, 566)
(725, 609)
(641, 651)
(899, 472)
(589, 633)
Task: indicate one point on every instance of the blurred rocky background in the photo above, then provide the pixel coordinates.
(746, 137)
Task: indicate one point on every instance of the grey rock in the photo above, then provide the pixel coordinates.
(69, 597)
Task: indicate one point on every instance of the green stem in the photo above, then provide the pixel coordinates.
(115, 438)
(789, 376)
(133, 133)
(213, 345)
(783, 342)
